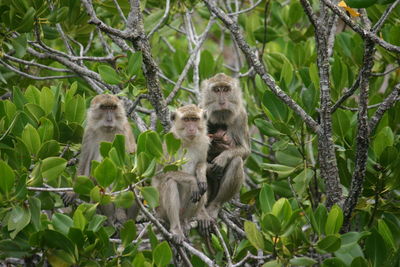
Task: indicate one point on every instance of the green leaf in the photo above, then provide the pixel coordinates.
(330, 243)
(150, 194)
(52, 167)
(173, 144)
(162, 254)
(46, 129)
(302, 180)
(75, 109)
(274, 107)
(18, 219)
(313, 72)
(282, 209)
(302, 261)
(375, 249)
(20, 44)
(47, 100)
(333, 262)
(105, 148)
(383, 139)
(7, 178)
(83, 185)
(267, 198)
(27, 21)
(119, 144)
(266, 128)
(96, 222)
(79, 220)
(320, 214)
(134, 63)
(61, 222)
(206, 66)
(109, 75)
(31, 139)
(272, 224)
(54, 239)
(359, 262)
(254, 235)
(287, 72)
(334, 221)
(125, 199)
(105, 173)
(154, 145)
(34, 207)
(282, 170)
(128, 232)
(385, 232)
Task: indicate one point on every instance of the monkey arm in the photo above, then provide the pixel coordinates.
(201, 177)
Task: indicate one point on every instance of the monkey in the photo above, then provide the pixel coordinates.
(106, 117)
(182, 193)
(221, 97)
(220, 141)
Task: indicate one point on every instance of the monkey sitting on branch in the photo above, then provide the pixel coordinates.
(106, 118)
(221, 97)
(182, 192)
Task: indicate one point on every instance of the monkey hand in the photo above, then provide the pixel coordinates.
(202, 187)
(218, 166)
(69, 198)
(177, 238)
(196, 196)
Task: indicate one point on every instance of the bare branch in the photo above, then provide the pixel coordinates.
(224, 246)
(120, 12)
(384, 17)
(190, 62)
(15, 59)
(33, 76)
(162, 20)
(362, 137)
(245, 10)
(389, 102)
(357, 28)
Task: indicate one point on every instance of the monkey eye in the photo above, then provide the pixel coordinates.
(186, 119)
(226, 89)
(216, 89)
(194, 119)
(108, 107)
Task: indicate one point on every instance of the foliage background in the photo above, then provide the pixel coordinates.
(322, 182)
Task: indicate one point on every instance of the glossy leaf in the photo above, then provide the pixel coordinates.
(162, 254)
(105, 173)
(150, 194)
(254, 235)
(8, 178)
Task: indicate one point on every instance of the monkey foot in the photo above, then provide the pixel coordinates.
(213, 211)
(177, 238)
(205, 226)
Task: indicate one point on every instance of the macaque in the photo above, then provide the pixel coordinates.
(105, 118)
(182, 192)
(221, 97)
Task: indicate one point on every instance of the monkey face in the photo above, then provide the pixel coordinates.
(189, 122)
(107, 112)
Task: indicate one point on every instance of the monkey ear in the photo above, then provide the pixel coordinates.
(173, 116)
(204, 115)
(203, 85)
